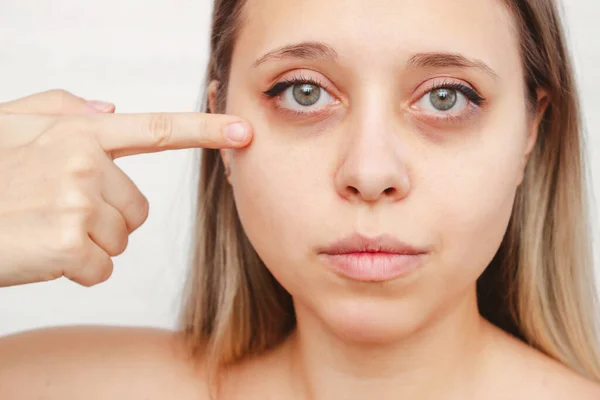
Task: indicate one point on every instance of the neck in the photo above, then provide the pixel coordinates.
(432, 362)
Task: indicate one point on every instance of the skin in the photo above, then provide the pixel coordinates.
(66, 208)
(309, 180)
(305, 182)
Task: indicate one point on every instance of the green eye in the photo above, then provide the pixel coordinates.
(443, 99)
(306, 94)
(300, 96)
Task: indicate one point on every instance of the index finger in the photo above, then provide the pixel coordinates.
(127, 134)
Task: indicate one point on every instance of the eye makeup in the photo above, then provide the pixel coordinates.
(462, 92)
(458, 92)
(305, 83)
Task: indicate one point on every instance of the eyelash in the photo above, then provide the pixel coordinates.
(471, 94)
(468, 91)
(283, 85)
(475, 99)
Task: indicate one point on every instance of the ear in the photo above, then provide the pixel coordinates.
(543, 100)
(213, 88)
(225, 156)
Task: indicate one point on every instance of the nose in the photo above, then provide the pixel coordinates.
(372, 167)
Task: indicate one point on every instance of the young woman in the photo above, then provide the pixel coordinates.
(409, 220)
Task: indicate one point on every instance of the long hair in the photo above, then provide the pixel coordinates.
(538, 287)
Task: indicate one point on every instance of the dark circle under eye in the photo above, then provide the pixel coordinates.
(443, 99)
(307, 94)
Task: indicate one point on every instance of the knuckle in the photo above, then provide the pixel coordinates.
(77, 206)
(60, 96)
(58, 92)
(160, 129)
(92, 274)
(120, 246)
(84, 282)
(142, 206)
(144, 209)
(137, 211)
(105, 270)
(117, 243)
(83, 166)
(71, 245)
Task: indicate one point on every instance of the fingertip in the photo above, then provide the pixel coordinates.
(238, 133)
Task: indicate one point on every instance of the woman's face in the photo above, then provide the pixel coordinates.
(368, 145)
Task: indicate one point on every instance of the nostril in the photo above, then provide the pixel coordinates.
(389, 191)
(353, 190)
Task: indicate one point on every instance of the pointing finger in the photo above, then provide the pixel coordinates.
(126, 134)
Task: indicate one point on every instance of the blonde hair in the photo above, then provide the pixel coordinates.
(540, 284)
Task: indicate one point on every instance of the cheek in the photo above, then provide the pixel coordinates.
(282, 185)
(472, 202)
(277, 183)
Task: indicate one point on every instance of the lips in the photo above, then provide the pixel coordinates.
(382, 258)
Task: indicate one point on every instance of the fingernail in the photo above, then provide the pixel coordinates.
(100, 105)
(237, 132)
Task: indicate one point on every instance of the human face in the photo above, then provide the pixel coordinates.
(370, 148)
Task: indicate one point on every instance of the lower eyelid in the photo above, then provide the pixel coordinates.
(470, 112)
(322, 112)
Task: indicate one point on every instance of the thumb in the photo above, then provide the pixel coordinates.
(55, 102)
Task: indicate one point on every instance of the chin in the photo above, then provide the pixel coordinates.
(371, 321)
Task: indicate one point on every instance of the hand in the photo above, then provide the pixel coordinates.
(65, 207)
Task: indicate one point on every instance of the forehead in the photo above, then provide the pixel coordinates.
(369, 33)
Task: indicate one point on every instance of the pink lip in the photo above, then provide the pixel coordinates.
(376, 259)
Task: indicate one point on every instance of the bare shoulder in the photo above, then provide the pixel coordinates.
(98, 363)
(557, 381)
(535, 375)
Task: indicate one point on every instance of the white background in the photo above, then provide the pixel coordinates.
(145, 56)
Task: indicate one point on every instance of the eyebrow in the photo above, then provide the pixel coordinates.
(304, 50)
(322, 51)
(444, 60)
